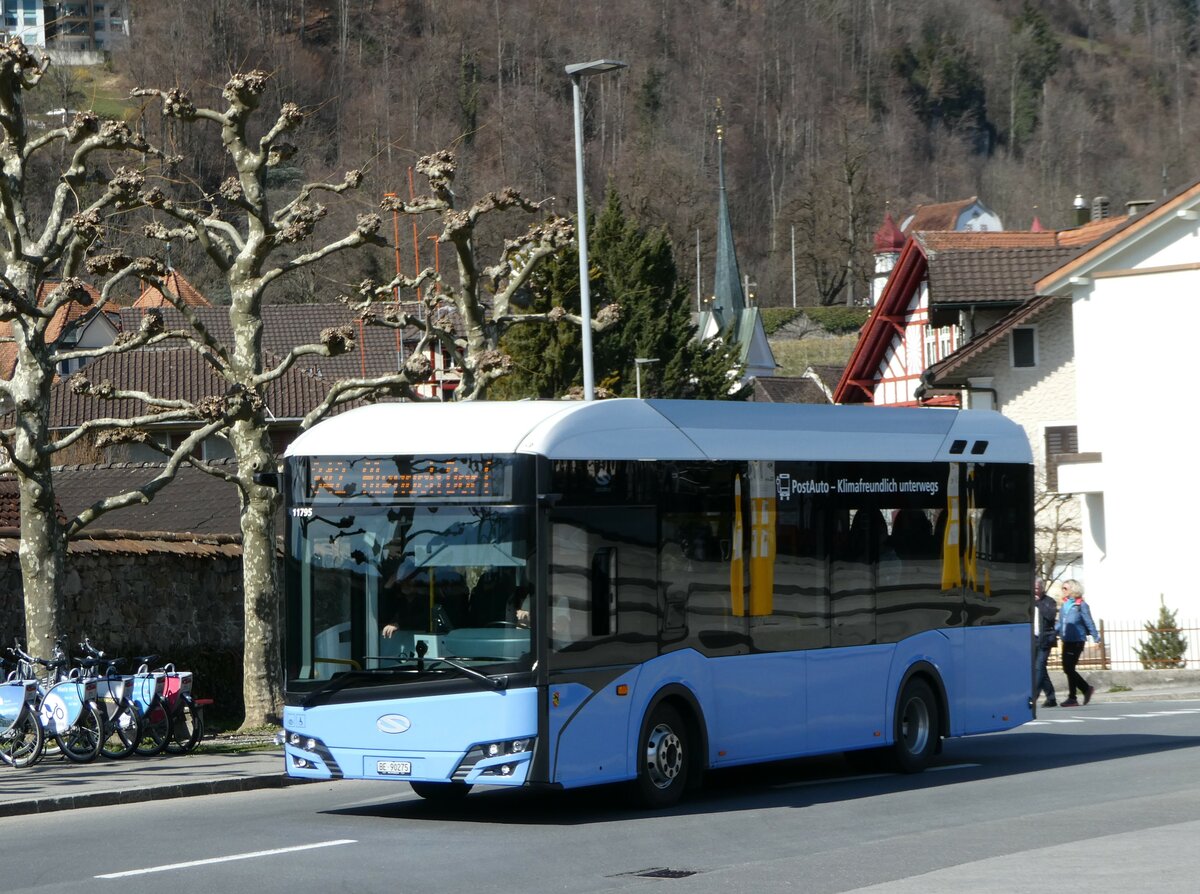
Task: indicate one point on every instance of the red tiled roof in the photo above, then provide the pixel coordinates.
(1128, 227)
(153, 297)
(64, 316)
(938, 216)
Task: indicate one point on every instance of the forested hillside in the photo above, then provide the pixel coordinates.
(834, 109)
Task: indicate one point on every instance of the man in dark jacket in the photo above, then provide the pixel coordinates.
(1044, 615)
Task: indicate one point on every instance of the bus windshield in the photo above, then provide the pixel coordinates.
(382, 589)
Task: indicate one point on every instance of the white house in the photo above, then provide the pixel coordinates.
(1133, 301)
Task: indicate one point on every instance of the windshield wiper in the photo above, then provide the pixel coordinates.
(340, 681)
(493, 682)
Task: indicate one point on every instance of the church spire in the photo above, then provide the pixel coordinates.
(728, 301)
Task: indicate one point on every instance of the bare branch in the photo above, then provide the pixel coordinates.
(144, 493)
(394, 384)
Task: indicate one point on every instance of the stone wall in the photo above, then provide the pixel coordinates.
(139, 594)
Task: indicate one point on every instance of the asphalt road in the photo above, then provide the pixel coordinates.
(1105, 798)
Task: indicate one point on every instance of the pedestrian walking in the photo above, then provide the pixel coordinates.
(1045, 614)
(1075, 625)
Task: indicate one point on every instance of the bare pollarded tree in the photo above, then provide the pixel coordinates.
(44, 241)
(483, 296)
(253, 242)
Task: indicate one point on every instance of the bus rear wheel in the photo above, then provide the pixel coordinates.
(663, 758)
(916, 728)
(441, 791)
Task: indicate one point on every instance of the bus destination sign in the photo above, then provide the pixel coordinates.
(455, 478)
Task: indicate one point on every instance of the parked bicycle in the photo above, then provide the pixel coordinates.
(22, 739)
(122, 719)
(67, 706)
(147, 694)
(184, 711)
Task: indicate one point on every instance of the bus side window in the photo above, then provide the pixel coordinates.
(604, 591)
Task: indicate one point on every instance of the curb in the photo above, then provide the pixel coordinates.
(153, 793)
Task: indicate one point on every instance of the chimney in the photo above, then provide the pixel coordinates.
(1081, 212)
(1100, 208)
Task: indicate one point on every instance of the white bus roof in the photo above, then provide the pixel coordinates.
(669, 430)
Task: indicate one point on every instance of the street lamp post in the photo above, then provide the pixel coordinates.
(578, 71)
(637, 368)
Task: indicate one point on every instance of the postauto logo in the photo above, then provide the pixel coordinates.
(393, 724)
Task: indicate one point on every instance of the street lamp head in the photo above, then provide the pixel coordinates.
(599, 66)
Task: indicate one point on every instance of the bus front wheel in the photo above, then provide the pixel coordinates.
(663, 758)
(917, 727)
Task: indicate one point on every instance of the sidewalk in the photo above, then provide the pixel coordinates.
(56, 784)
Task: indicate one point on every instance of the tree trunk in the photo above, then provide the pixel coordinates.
(41, 564)
(263, 665)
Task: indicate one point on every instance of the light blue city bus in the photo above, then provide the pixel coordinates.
(564, 594)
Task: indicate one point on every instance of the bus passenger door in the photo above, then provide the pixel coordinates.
(602, 625)
(846, 681)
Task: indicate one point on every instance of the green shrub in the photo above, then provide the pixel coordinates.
(1164, 646)
(775, 318)
(838, 319)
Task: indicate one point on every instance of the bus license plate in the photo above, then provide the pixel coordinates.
(393, 768)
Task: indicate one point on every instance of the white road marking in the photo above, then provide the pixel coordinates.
(231, 858)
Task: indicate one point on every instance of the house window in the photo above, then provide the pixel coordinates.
(931, 355)
(1060, 439)
(1024, 347)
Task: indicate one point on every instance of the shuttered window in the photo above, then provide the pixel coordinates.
(1059, 439)
(1024, 347)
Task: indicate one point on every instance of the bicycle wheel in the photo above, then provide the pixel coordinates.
(187, 726)
(156, 729)
(81, 743)
(23, 743)
(122, 730)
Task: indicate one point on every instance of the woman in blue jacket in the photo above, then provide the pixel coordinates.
(1074, 627)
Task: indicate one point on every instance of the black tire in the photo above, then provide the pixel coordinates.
(23, 744)
(663, 758)
(122, 730)
(156, 729)
(81, 743)
(441, 792)
(187, 726)
(917, 728)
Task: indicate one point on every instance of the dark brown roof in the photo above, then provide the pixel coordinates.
(287, 325)
(996, 276)
(788, 390)
(177, 373)
(194, 503)
(10, 504)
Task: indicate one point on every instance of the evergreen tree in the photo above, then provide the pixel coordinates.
(1164, 646)
(633, 268)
